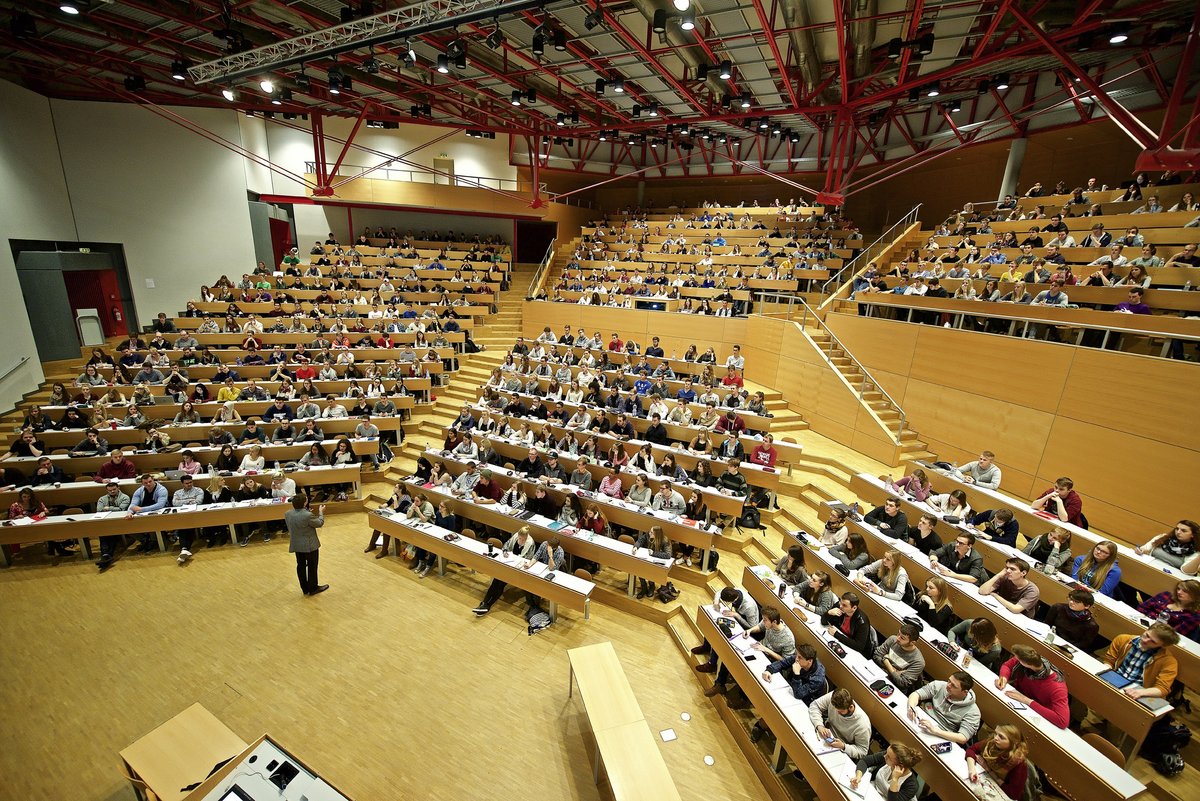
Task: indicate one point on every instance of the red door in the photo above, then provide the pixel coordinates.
(281, 238)
(98, 289)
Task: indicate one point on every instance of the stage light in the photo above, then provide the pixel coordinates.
(726, 70)
(443, 63)
(688, 20)
(179, 70)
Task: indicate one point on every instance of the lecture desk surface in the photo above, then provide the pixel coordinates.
(181, 752)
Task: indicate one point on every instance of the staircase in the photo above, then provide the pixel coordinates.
(871, 395)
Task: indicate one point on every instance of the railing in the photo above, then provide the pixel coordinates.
(539, 275)
(14, 368)
(777, 304)
(871, 251)
(426, 177)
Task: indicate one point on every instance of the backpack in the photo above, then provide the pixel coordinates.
(750, 518)
(713, 558)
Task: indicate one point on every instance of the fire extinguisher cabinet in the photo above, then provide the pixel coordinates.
(91, 331)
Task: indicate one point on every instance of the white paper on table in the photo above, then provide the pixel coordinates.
(667, 735)
(22, 521)
(743, 642)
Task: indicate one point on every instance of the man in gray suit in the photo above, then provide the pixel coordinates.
(302, 528)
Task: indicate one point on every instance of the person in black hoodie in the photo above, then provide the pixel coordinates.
(849, 625)
(656, 433)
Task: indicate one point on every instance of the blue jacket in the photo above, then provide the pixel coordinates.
(805, 686)
(158, 499)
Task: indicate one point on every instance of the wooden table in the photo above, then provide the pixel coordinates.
(566, 589)
(1062, 753)
(625, 744)
(179, 754)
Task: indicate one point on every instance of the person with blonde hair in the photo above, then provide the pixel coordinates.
(1099, 568)
(1003, 757)
(885, 576)
(933, 605)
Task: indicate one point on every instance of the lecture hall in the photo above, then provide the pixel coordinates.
(358, 440)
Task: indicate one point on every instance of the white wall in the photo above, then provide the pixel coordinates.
(33, 205)
(174, 199)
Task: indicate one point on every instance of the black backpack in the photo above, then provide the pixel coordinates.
(750, 518)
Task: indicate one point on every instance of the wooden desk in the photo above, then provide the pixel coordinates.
(1079, 669)
(787, 717)
(634, 774)
(945, 774)
(607, 697)
(1113, 616)
(179, 754)
(1062, 753)
(566, 589)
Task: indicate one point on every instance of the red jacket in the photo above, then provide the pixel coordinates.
(1048, 696)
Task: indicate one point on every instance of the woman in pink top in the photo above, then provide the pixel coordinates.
(610, 485)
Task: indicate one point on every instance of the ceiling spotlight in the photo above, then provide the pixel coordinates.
(707, 135)
(745, 100)
(600, 84)
(794, 137)
(539, 45)
(593, 19)
(275, 100)
(267, 85)
(637, 110)
(69, 8)
(914, 95)
(516, 97)
(229, 95)
(933, 90)
(603, 136)
(561, 120)
(336, 82)
(302, 80)
(443, 63)
(1085, 41)
(726, 72)
(659, 23)
(22, 26)
(135, 83)
(702, 72)
(763, 124)
(984, 86)
(955, 106)
(722, 139)
(653, 109)
(496, 37)
(925, 44)
(618, 85)
(560, 41)
(895, 48)
(456, 48)
(1002, 81)
(574, 118)
(371, 64)
(531, 96)
(688, 20)
(461, 61)
(1118, 34)
(179, 70)
(682, 5)
(410, 55)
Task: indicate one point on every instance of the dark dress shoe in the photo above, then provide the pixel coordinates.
(703, 648)
(707, 667)
(320, 588)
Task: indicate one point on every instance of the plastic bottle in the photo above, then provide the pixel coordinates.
(1051, 635)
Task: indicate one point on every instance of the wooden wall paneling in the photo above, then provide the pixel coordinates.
(884, 347)
(1016, 433)
(993, 366)
(1016, 482)
(1138, 480)
(1151, 398)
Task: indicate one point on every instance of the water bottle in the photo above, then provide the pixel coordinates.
(276, 464)
(1050, 635)
(1164, 617)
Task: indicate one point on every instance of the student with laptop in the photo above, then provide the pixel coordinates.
(1145, 660)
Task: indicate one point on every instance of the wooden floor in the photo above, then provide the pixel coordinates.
(387, 684)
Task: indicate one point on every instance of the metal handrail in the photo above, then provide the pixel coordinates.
(869, 252)
(540, 272)
(807, 313)
(424, 177)
(14, 368)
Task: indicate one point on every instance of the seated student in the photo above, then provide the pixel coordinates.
(852, 554)
(980, 640)
(1174, 547)
(1099, 568)
(1062, 501)
(885, 576)
(1178, 608)
(1004, 757)
(923, 536)
(848, 624)
(736, 604)
(399, 502)
(900, 657)
(933, 605)
(1033, 681)
(835, 531)
(1146, 659)
(790, 567)
(889, 519)
(91, 445)
(841, 723)
(803, 672)
(959, 560)
(815, 595)
(982, 472)
(1053, 549)
(915, 485)
(952, 706)
(775, 640)
(996, 525)
(1012, 588)
(523, 546)
(1073, 620)
(895, 775)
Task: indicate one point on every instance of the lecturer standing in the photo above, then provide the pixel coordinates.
(302, 527)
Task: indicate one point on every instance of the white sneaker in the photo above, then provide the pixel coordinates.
(679, 561)
(184, 555)
(689, 561)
